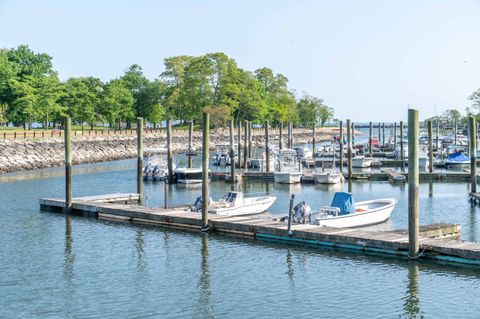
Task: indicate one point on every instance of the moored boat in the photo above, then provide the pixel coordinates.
(186, 175)
(344, 212)
(236, 204)
(457, 160)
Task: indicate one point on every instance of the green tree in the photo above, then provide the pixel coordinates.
(83, 99)
(117, 103)
(452, 115)
(49, 91)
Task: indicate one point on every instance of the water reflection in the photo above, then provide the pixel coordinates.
(69, 257)
(411, 300)
(204, 280)
(430, 189)
(140, 248)
(472, 222)
(290, 270)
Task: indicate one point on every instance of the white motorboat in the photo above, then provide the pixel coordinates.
(287, 170)
(329, 176)
(222, 155)
(343, 212)
(186, 175)
(235, 204)
(156, 167)
(360, 161)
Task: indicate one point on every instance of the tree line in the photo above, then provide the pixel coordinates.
(31, 91)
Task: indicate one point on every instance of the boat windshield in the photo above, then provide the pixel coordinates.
(230, 197)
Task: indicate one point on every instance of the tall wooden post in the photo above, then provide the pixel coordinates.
(430, 147)
(267, 146)
(205, 149)
(239, 142)
(341, 147)
(472, 127)
(250, 148)
(349, 155)
(383, 134)
(370, 138)
(402, 156)
(139, 155)
(289, 138)
(455, 130)
(379, 134)
(190, 142)
(280, 137)
(232, 152)
(437, 133)
(313, 138)
(169, 151)
(413, 218)
(245, 145)
(394, 135)
(68, 163)
(353, 133)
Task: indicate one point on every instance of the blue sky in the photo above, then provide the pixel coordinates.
(369, 60)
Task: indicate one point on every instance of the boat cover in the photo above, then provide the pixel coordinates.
(344, 201)
(458, 158)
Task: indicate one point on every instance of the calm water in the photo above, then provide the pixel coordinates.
(55, 266)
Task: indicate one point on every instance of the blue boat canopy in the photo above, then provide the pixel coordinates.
(344, 201)
(458, 157)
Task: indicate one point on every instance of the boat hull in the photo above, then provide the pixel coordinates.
(361, 162)
(329, 178)
(287, 177)
(258, 206)
(369, 217)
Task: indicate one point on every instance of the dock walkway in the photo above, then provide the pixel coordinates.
(436, 241)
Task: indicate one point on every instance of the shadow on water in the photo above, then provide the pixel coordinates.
(68, 265)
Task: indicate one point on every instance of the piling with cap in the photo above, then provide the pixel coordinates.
(205, 195)
(232, 152)
(267, 145)
(68, 163)
(430, 147)
(349, 155)
(402, 156)
(341, 147)
(190, 142)
(169, 151)
(472, 127)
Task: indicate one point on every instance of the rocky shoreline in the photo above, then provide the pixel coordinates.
(28, 154)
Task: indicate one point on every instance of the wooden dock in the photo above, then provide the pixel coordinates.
(436, 241)
(394, 176)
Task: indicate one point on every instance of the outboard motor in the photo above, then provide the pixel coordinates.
(156, 172)
(301, 213)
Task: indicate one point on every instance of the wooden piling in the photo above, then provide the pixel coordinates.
(290, 212)
(455, 129)
(245, 145)
(232, 153)
(139, 156)
(205, 195)
(472, 128)
(370, 138)
(402, 157)
(383, 134)
(437, 135)
(267, 146)
(250, 147)
(289, 137)
(394, 135)
(349, 155)
(353, 133)
(190, 142)
(239, 142)
(341, 147)
(379, 134)
(430, 146)
(413, 177)
(313, 138)
(280, 137)
(68, 163)
(169, 151)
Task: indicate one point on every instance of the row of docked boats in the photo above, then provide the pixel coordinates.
(342, 212)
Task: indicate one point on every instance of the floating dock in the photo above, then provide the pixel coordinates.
(437, 242)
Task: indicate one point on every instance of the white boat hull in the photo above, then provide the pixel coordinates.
(257, 206)
(361, 162)
(287, 177)
(364, 218)
(329, 178)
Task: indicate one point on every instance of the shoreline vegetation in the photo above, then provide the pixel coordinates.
(32, 95)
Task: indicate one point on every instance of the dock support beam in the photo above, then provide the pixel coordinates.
(280, 137)
(245, 145)
(250, 148)
(341, 147)
(413, 218)
(205, 195)
(394, 135)
(383, 135)
(290, 212)
(68, 164)
(455, 129)
(402, 157)
(267, 146)
(139, 157)
(430, 146)
(472, 127)
(349, 155)
(190, 141)
(232, 152)
(313, 138)
(169, 152)
(370, 138)
(239, 142)
(437, 133)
